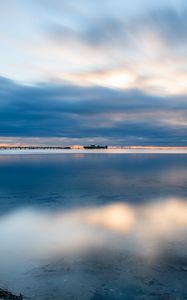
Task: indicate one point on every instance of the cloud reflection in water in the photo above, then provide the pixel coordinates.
(144, 229)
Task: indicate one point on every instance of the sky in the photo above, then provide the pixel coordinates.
(93, 71)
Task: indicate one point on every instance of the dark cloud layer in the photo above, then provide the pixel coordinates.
(51, 110)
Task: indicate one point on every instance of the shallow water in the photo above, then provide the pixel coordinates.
(94, 226)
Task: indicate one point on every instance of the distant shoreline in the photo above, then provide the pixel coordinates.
(109, 150)
(91, 147)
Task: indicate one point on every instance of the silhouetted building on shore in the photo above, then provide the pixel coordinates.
(95, 147)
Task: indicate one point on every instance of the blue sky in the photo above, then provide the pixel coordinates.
(93, 71)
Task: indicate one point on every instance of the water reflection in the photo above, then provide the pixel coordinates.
(124, 248)
(56, 181)
(94, 227)
(38, 233)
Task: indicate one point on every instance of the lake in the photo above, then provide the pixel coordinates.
(94, 226)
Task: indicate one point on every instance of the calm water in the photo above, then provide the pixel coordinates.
(52, 181)
(45, 204)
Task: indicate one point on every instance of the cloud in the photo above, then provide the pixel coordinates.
(126, 53)
(87, 113)
(123, 45)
